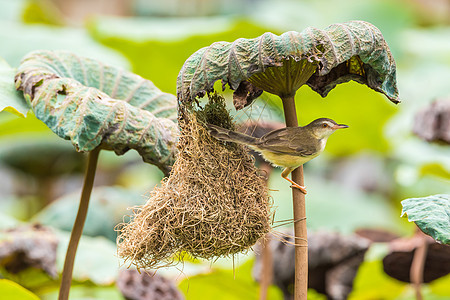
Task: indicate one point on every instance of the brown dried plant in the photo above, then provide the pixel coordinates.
(213, 204)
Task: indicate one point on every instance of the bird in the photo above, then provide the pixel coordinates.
(288, 147)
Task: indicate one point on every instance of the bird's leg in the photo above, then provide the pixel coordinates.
(285, 174)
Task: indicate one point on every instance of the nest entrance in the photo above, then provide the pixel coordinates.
(213, 204)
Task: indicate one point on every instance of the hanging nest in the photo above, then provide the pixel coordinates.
(213, 204)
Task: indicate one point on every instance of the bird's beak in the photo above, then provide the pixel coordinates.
(339, 126)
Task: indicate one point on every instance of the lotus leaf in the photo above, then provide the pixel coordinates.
(12, 290)
(94, 105)
(10, 99)
(431, 215)
(323, 58)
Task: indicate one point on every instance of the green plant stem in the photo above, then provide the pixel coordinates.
(77, 229)
(298, 198)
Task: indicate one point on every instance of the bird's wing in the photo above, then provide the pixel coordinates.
(278, 133)
(227, 135)
(281, 141)
(303, 150)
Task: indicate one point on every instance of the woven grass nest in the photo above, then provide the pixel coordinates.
(213, 204)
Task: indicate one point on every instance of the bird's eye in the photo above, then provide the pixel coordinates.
(325, 125)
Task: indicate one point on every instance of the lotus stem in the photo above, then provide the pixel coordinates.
(266, 253)
(298, 198)
(418, 266)
(77, 229)
(267, 267)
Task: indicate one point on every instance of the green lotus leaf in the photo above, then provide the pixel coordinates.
(10, 99)
(431, 215)
(12, 290)
(94, 105)
(96, 259)
(107, 208)
(320, 58)
(52, 156)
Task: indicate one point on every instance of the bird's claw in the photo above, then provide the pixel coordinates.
(301, 188)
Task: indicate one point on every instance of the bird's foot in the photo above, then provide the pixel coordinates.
(301, 188)
(294, 184)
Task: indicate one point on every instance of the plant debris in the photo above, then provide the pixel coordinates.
(433, 122)
(213, 204)
(28, 246)
(397, 263)
(333, 261)
(143, 286)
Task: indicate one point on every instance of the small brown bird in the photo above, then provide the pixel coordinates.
(288, 147)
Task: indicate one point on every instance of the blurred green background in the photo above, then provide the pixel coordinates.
(358, 182)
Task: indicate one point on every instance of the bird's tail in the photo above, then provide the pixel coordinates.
(227, 135)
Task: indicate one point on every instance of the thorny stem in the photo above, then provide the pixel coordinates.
(298, 198)
(417, 267)
(77, 229)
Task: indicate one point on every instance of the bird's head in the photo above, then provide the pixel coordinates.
(323, 127)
